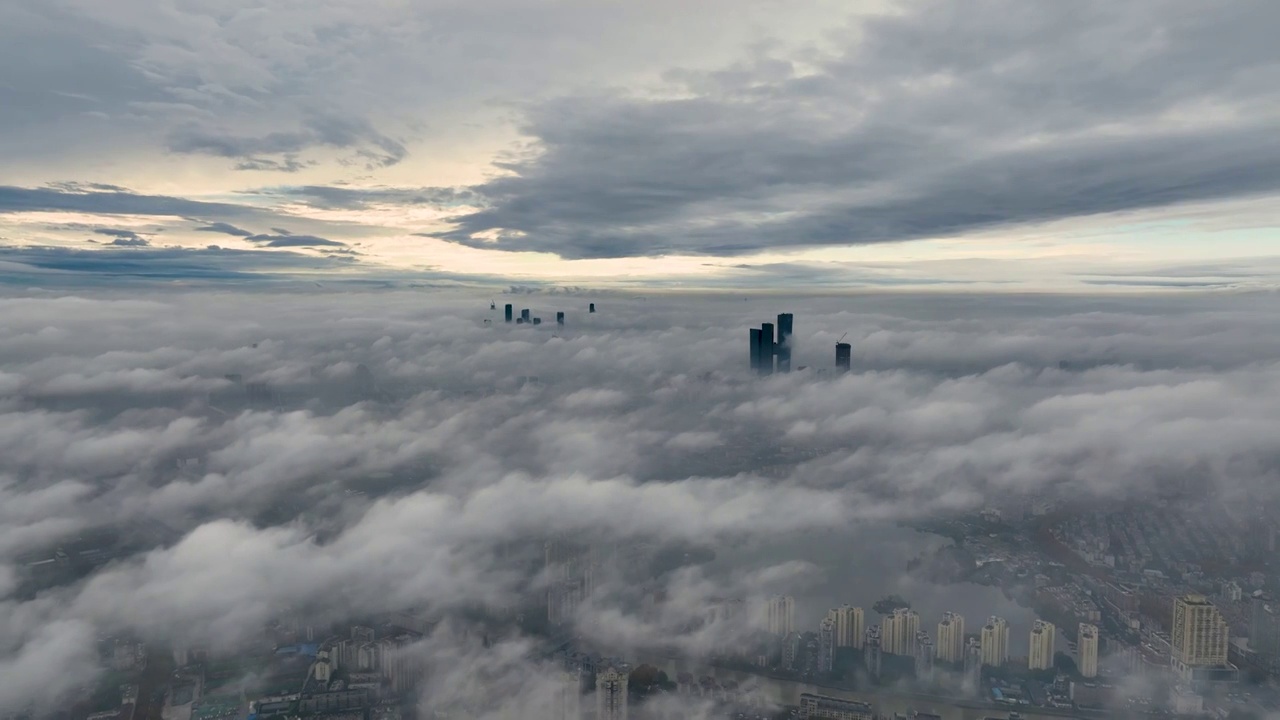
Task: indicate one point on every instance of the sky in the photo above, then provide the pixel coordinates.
(643, 428)
(734, 144)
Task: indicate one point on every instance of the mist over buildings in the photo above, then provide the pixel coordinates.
(208, 459)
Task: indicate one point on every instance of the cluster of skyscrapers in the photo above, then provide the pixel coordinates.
(766, 347)
(525, 316)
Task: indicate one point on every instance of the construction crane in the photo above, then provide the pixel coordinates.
(842, 337)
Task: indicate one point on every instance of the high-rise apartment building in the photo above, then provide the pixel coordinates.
(898, 632)
(826, 645)
(1087, 650)
(973, 660)
(611, 694)
(1199, 636)
(780, 616)
(871, 653)
(1043, 635)
(924, 653)
(951, 638)
(995, 642)
(524, 314)
(849, 625)
(507, 311)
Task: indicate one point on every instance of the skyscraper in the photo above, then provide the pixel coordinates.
(560, 317)
(849, 625)
(1199, 636)
(1087, 648)
(1043, 634)
(767, 349)
(898, 632)
(781, 615)
(591, 308)
(843, 350)
(826, 645)
(524, 314)
(951, 638)
(973, 660)
(537, 321)
(611, 694)
(506, 312)
(871, 653)
(995, 642)
(784, 341)
(755, 348)
(924, 653)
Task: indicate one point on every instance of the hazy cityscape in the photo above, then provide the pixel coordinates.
(761, 589)
(641, 360)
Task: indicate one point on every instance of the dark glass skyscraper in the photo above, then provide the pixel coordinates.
(842, 356)
(506, 311)
(755, 348)
(591, 308)
(524, 314)
(784, 342)
(559, 317)
(766, 349)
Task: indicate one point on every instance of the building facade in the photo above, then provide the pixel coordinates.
(1199, 638)
(611, 694)
(898, 632)
(1087, 650)
(1043, 637)
(850, 630)
(995, 642)
(950, 643)
(781, 615)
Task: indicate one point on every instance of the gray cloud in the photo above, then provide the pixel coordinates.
(284, 239)
(225, 229)
(929, 123)
(280, 150)
(110, 200)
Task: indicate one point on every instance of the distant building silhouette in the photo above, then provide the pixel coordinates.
(784, 341)
(766, 349)
(591, 308)
(559, 317)
(524, 314)
(755, 348)
(507, 312)
(537, 321)
(842, 356)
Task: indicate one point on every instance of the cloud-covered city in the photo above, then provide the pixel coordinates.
(188, 468)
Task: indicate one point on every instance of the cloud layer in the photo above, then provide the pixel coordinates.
(374, 451)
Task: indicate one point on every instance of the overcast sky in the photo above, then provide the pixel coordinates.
(729, 143)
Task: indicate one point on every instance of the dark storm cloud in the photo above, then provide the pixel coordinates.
(284, 239)
(400, 448)
(348, 198)
(110, 200)
(28, 264)
(932, 122)
(225, 229)
(280, 150)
